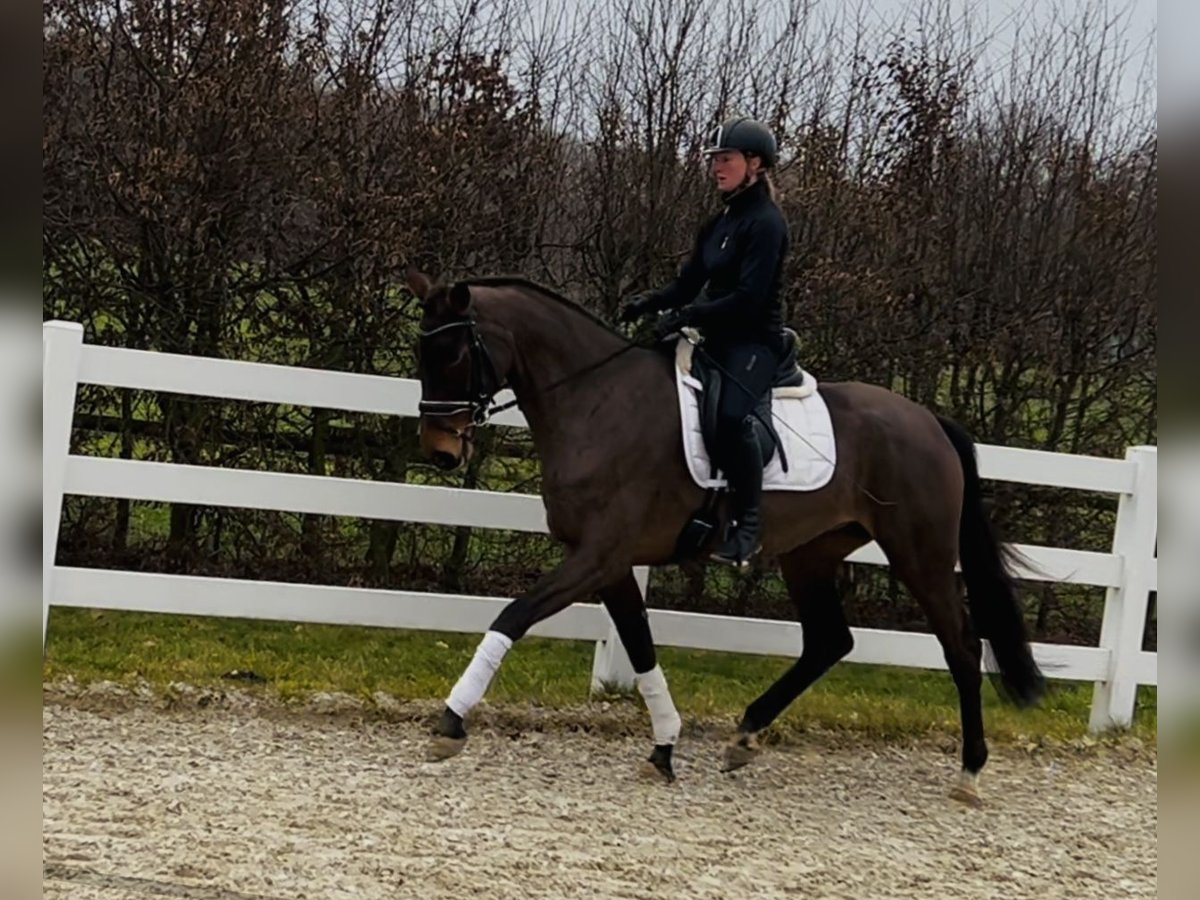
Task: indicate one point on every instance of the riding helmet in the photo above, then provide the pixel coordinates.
(747, 135)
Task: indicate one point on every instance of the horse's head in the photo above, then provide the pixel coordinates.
(462, 365)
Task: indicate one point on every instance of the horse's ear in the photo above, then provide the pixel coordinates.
(418, 282)
(459, 298)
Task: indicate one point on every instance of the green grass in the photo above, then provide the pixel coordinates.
(93, 645)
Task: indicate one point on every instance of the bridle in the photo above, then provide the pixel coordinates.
(485, 383)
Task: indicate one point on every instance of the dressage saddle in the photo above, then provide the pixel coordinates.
(704, 522)
(789, 374)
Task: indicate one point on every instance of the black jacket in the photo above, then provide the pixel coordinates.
(734, 273)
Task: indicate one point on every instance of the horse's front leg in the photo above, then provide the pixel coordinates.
(623, 600)
(586, 570)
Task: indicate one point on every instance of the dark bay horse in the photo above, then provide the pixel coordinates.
(605, 423)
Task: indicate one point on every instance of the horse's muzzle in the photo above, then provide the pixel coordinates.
(447, 462)
(447, 445)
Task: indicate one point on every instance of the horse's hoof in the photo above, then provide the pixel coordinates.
(966, 790)
(741, 751)
(658, 767)
(442, 747)
(449, 737)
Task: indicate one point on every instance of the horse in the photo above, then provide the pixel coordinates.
(605, 423)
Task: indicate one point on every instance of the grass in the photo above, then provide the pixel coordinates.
(296, 660)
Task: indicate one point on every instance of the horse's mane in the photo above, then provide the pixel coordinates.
(561, 299)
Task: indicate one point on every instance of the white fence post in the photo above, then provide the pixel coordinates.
(1125, 607)
(62, 347)
(611, 667)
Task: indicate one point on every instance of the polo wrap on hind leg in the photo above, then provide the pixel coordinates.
(664, 719)
(474, 681)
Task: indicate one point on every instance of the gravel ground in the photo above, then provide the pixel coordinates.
(230, 801)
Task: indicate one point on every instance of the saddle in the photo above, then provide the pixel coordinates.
(705, 521)
(710, 378)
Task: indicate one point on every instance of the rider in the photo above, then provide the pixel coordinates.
(729, 290)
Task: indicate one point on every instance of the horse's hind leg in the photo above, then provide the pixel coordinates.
(933, 583)
(623, 600)
(809, 573)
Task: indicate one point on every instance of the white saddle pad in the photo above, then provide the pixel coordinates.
(796, 411)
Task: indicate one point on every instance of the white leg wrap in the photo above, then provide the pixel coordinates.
(474, 681)
(664, 719)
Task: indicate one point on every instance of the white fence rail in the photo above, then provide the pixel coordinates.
(1129, 572)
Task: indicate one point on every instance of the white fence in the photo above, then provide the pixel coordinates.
(1129, 572)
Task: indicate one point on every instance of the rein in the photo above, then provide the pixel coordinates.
(500, 407)
(481, 404)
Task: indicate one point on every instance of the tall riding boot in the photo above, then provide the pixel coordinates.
(744, 470)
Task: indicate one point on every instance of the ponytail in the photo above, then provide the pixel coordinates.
(772, 190)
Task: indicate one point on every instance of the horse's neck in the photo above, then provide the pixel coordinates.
(554, 342)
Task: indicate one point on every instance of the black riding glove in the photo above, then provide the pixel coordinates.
(670, 324)
(640, 305)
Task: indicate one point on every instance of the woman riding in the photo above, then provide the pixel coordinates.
(729, 290)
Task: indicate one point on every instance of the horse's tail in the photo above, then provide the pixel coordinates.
(991, 586)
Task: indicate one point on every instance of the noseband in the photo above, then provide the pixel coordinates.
(485, 382)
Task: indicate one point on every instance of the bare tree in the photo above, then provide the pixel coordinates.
(971, 225)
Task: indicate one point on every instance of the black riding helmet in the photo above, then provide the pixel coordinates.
(747, 135)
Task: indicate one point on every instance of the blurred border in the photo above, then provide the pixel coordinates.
(1179, 396)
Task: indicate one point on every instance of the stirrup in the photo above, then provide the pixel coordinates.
(718, 556)
(728, 553)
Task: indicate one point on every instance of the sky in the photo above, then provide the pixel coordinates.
(1009, 21)
(1004, 22)
(996, 26)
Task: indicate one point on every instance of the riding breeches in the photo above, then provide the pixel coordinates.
(748, 370)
